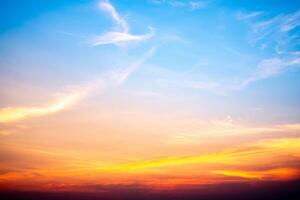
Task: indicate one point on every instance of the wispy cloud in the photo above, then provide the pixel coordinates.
(265, 69)
(119, 38)
(122, 35)
(268, 68)
(199, 131)
(63, 101)
(246, 16)
(291, 22)
(121, 76)
(73, 96)
(106, 6)
(193, 5)
(278, 32)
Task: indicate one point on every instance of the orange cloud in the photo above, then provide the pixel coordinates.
(264, 160)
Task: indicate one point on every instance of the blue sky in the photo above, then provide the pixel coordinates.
(212, 58)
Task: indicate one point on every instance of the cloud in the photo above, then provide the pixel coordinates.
(277, 173)
(265, 69)
(122, 35)
(118, 38)
(278, 32)
(193, 5)
(121, 76)
(291, 22)
(268, 160)
(11, 114)
(106, 6)
(268, 68)
(202, 131)
(246, 16)
(73, 96)
(272, 150)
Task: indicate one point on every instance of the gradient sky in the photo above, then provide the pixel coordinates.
(153, 92)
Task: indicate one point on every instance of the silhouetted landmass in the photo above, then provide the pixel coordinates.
(266, 191)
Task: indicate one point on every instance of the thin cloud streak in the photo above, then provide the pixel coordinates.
(122, 35)
(193, 5)
(277, 173)
(106, 6)
(202, 131)
(268, 68)
(246, 16)
(124, 74)
(73, 97)
(118, 38)
(265, 69)
(291, 22)
(280, 29)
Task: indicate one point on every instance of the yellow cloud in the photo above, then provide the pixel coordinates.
(244, 155)
(18, 113)
(280, 173)
(170, 161)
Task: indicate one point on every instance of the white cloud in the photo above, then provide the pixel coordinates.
(245, 16)
(107, 7)
(121, 36)
(118, 38)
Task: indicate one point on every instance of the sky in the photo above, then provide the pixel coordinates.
(158, 93)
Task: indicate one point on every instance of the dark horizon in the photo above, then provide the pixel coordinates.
(283, 190)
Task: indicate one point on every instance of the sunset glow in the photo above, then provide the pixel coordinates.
(155, 95)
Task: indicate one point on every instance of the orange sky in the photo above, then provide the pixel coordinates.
(95, 94)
